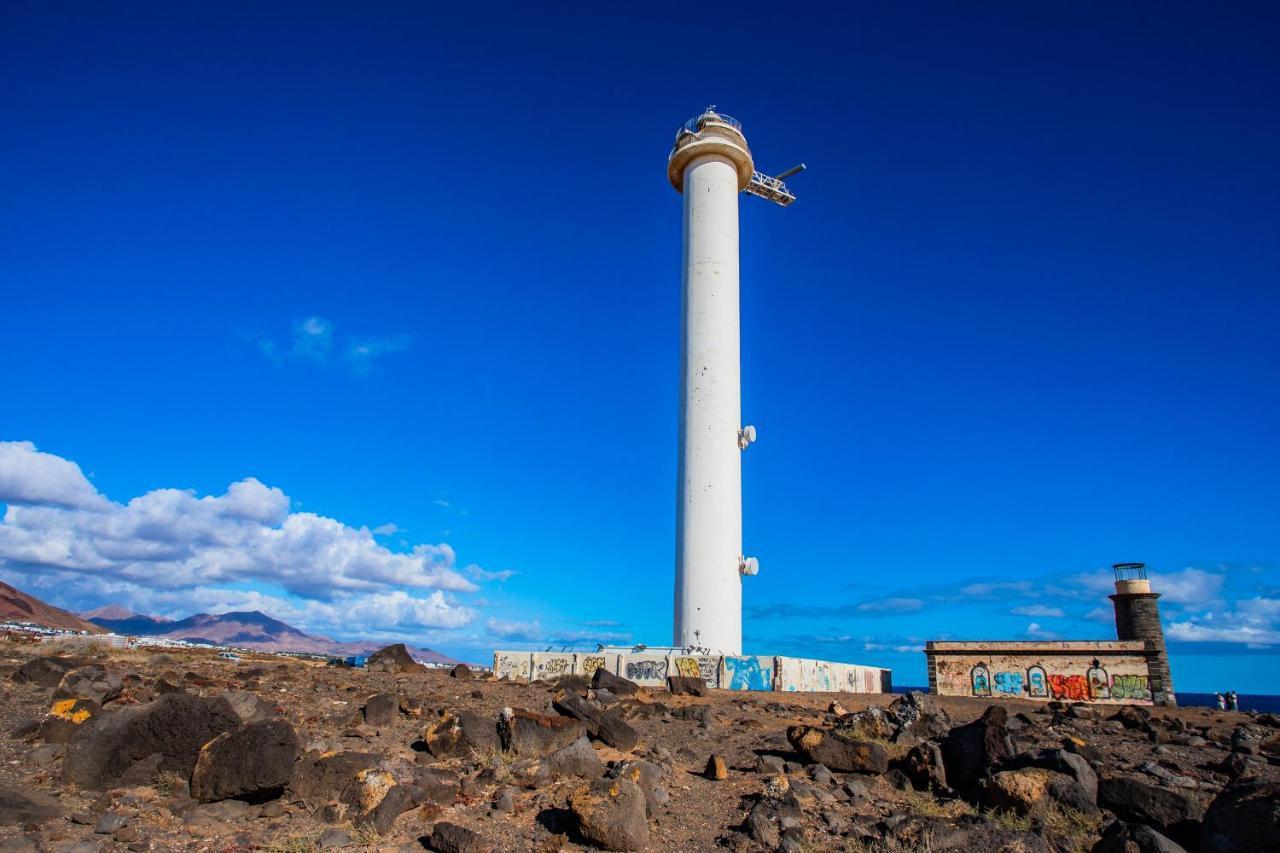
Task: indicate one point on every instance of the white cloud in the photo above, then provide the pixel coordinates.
(1101, 614)
(1251, 634)
(171, 549)
(478, 574)
(892, 605)
(986, 589)
(530, 632)
(1036, 632)
(1190, 587)
(387, 529)
(1041, 610)
(316, 340)
(28, 476)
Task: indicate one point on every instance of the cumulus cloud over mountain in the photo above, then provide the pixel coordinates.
(171, 548)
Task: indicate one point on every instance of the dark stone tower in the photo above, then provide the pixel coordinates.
(1138, 618)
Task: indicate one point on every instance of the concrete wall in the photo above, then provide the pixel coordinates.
(731, 672)
(1114, 672)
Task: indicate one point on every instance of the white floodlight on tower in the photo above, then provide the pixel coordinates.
(710, 164)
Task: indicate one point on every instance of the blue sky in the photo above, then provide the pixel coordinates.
(416, 271)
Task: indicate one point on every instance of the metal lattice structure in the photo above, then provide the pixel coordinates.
(770, 189)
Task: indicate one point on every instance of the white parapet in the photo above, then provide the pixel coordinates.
(730, 672)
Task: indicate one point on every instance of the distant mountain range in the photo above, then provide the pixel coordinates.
(17, 606)
(249, 629)
(246, 629)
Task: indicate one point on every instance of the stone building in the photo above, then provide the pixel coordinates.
(1132, 669)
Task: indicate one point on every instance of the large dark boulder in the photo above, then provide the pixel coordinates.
(970, 752)
(451, 838)
(611, 814)
(461, 734)
(253, 763)
(925, 768)
(1124, 837)
(1244, 817)
(533, 735)
(320, 779)
(920, 715)
(1060, 761)
(382, 710)
(685, 685)
(89, 682)
(44, 671)
(65, 718)
(1174, 811)
(601, 724)
(394, 658)
(836, 750)
(18, 808)
(603, 679)
(173, 726)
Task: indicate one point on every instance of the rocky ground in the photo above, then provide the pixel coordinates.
(134, 750)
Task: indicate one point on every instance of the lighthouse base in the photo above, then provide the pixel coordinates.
(729, 672)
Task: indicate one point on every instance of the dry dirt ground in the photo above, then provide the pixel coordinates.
(1210, 770)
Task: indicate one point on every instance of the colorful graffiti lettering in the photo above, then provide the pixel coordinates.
(688, 667)
(1072, 687)
(647, 670)
(589, 664)
(1099, 683)
(747, 674)
(1036, 687)
(980, 677)
(1008, 683)
(1130, 687)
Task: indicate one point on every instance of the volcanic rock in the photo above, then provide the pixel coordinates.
(1172, 810)
(460, 671)
(838, 751)
(684, 685)
(253, 763)
(65, 718)
(971, 751)
(89, 682)
(44, 671)
(533, 735)
(332, 777)
(394, 658)
(460, 734)
(451, 838)
(616, 684)
(18, 808)
(175, 726)
(601, 724)
(717, 770)
(576, 759)
(381, 710)
(1245, 816)
(611, 814)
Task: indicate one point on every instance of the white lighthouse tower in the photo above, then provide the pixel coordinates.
(710, 164)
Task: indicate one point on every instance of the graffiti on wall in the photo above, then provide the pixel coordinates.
(1008, 683)
(588, 664)
(1073, 687)
(1130, 687)
(747, 674)
(980, 678)
(1098, 682)
(709, 667)
(647, 670)
(1037, 683)
(512, 666)
(552, 667)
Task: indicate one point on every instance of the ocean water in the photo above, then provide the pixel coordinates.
(1248, 702)
(1262, 703)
